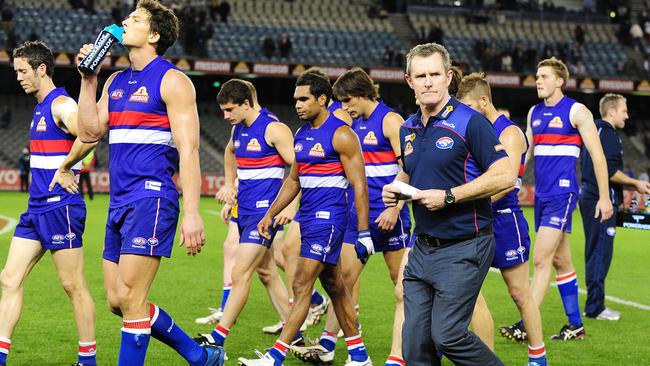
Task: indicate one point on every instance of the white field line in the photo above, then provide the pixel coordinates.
(11, 223)
(212, 212)
(607, 297)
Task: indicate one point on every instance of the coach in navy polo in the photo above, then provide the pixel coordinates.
(453, 157)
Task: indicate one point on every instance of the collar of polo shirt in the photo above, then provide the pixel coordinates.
(416, 120)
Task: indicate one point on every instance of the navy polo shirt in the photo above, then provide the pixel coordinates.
(455, 147)
(613, 149)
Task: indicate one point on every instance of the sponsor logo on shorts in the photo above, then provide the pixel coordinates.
(611, 231)
(325, 215)
(152, 241)
(70, 236)
(565, 183)
(556, 220)
(445, 143)
(140, 241)
(58, 238)
(521, 250)
(262, 204)
(254, 234)
(403, 237)
(316, 249)
(117, 94)
(511, 255)
(393, 240)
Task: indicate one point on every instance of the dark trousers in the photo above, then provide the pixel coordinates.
(24, 182)
(440, 290)
(85, 177)
(599, 249)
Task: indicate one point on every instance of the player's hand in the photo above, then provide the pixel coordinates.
(642, 187)
(434, 199)
(364, 246)
(388, 218)
(227, 194)
(192, 233)
(285, 216)
(604, 208)
(264, 226)
(83, 52)
(225, 213)
(66, 179)
(390, 195)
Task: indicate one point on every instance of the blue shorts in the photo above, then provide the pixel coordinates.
(384, 241)
(247, 225)
(59, 228)
(321, 243)
(143, 227)
(555, 211)
(511, 237)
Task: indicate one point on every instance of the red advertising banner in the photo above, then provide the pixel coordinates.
(387, 74)
(526, 195)
(9, 180)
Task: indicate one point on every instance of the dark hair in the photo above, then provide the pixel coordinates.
(456, 78)
(163, 21)
(318, 85)
(36, 53)
(355, 83)
(235, 91)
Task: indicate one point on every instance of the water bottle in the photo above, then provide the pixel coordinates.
(634, 207)
(105, 40)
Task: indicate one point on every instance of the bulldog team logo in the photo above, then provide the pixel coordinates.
(253, 145)
(556, 122)
(370, 139)
(140, 96)
(317, 151)
(408, 149)
(41, 126)
(445, 143)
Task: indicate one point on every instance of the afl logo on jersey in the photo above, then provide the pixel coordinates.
(445, 143)
(298, 147)
(253, 145)
(317, 151)
(370, 139)
(537, 122)
(556, 122)
(117, 94)
(140, 96)
(237, 144)
(41, 126)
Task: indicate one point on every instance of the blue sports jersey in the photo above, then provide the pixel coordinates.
(557, 148)
(142, 154)
(334, 106)
(270, 114)
(260, 168)
(322, 179)
(510, 200)
(49, 146)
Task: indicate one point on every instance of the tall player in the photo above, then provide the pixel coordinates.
(259, 147)
(377, 127)
(149, 112)
(557, 127)
(56, 215)
(510, 227)
(328, 156)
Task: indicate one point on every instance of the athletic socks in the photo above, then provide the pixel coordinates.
(316, 298)
(5, 345)
(356, 348)
(226, 292)
(328, 340)
(393, 360)
(279, 352)
(135, 340)
(164, 329)
(87, 353)
(568, 285)
(537, 355)
(219, 333)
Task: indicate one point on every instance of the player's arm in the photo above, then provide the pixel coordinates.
(228, 193)
(92, 118)
(280, 137)
(584, 122)
(179, 95)
(343, 116)
(513, 140)
(346, 143)
(64, 112)
(288, 192)
(392, 123)
(529, 137)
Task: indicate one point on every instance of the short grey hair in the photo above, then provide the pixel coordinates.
(609, 101)
(428, 49)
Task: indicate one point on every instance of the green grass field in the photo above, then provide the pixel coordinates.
(186, 286)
